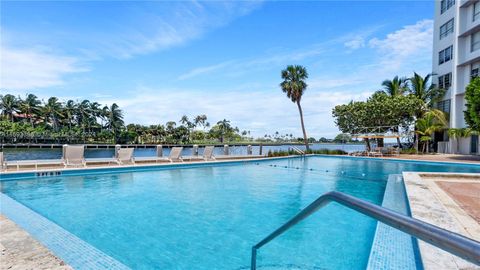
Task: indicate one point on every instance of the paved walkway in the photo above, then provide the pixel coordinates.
(449, 201)
(442, 157)
(20, 251)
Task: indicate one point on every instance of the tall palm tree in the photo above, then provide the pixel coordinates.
(395, 87)
(69, 112)
(83, 114)
(422, 88)
(186, 122)
(431, 122)
(52, 111)
(201, 120)
(30, 106)
(115, 120)
(9, 106)
(294, 86)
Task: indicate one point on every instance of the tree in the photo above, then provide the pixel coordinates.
(52, 111)
(115, 120)
(422, 88)
(379, 114)
(8, 105)
(395, 87)
(431, 122)
(294, 86)
(472, 98)
(69, 112)
(29, 107)
(201, 120)
(342, 138)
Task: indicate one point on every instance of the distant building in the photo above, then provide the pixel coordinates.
(456, 59)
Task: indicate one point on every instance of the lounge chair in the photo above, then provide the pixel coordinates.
(35, 163)
(377, 152)
(2, 162)
(175, 155)
(125, 155)
(73, 155)
(207, 154)
(100, 160)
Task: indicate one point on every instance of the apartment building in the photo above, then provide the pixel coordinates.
(456, 59)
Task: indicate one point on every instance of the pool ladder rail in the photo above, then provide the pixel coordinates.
(298, 150)
(454, 243)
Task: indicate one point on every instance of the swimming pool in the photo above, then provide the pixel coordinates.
(208, 217)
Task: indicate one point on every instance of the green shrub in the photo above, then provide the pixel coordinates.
(282, 153)
(409, 151)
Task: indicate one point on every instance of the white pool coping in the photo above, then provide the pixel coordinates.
(428, 203)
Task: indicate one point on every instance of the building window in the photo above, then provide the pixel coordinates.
(476, 11)
(445, 81)
(474, 73)
(445, 55)
(446, 29)
(445, 5)
(475, 41)
(443, 105)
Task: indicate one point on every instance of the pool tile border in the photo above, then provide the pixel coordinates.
(68, 247)
(391, 248)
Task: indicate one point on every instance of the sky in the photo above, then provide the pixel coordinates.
(160, 60)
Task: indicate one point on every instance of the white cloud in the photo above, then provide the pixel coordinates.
(355, 43)
(155, 31)
(203, 70)
(260, 112)
(240, 66)
(412, 42)
(33, 68)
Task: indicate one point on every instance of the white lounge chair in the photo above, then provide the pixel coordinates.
(207, 154)
(100, 160)
(74, 155)
(125, 155)
(24, 163)
(175, 155)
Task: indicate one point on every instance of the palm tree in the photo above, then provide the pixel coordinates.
(395, 87)
(201, 120)
(8, 105)
(224, 128)
(186, 122)
(114, 120)
(294, 86)
(69, 112)
(422, 88)
(431, 122)
(30, 106)
(83, 114)
(52, 111)
(457, 133)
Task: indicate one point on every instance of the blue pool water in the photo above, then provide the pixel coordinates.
(209, 217)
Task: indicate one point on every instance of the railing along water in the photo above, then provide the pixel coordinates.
(454, 243)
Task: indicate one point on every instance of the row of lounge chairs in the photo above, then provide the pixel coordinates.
(378, 152)
(73, 156)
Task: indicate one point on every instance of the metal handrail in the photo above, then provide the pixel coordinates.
(296, 149)
(454, 243)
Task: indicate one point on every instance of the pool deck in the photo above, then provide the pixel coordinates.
(19, 250)
(447, 200)
(452, 158)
